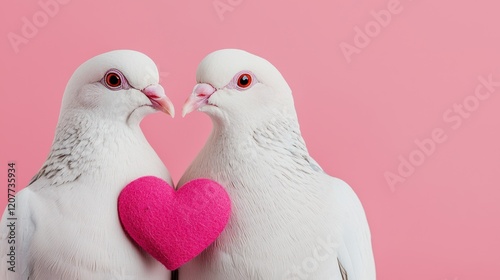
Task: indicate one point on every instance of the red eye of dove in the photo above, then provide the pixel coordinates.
(113, 80)
(244, 80)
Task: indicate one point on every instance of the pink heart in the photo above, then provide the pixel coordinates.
(173, 226)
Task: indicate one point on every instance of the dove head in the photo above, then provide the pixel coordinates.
(119, 85)
(238, 87)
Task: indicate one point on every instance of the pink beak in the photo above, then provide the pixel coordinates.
(198, 98)
(159, 99)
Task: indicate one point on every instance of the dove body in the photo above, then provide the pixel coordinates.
(290, 220)
(67, 220)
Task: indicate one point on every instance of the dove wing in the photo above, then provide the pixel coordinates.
(355, 255)
(24, 229)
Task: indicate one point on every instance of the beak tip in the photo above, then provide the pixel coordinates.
(186, 110)
(167, 108)
(171, 111)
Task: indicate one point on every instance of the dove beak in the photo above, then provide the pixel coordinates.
(159, 99)
(198, 98)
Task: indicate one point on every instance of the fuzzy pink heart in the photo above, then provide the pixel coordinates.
(173, 226)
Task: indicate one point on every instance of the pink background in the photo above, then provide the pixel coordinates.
(357, 117)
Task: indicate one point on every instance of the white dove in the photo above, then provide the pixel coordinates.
(67, 223)
(290, 220)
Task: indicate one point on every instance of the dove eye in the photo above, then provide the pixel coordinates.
(113, 80)
(244, 80)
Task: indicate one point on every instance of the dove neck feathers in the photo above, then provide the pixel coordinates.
(277, 141)
(83, 144)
